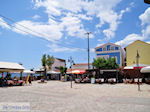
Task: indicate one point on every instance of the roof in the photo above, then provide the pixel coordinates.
(107, 44)
(71, 70)
(8, 67)
(60, 59)
(78, 64)
(53, 72)
(138, 41)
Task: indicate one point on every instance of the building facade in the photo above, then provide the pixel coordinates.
(143, 50)
(57, 63)
(81, 66)
(110, 50)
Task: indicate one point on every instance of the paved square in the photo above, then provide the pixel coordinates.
(56, 96)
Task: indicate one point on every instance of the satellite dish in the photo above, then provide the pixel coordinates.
(147, 1)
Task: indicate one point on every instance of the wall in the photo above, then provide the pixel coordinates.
(116, 52)
(58, 63)
(143, 50)
(82, 66)
(112, 55)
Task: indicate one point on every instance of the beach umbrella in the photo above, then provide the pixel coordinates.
(145, 69)
(78, 71)
(132, 67)
(28, 72)
(53, 72)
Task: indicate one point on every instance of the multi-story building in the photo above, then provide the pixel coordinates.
(57, 63)
(81, 66)
(143, 50)
(110, 50)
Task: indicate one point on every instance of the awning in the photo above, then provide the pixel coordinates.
(53, 72)
(134, 67)
(28, 72)
(11, 67)
(78, 71)
(145, 69)
(40, 70)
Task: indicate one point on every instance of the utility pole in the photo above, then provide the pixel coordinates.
(137, 63)
(71, 63)
(88, 33)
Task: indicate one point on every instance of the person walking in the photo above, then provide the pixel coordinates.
(30, 81)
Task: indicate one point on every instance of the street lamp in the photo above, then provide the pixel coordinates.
(137, 63)
(88, 33)
(71, 63)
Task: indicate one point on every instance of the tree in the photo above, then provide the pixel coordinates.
(63, 70)
(47, 62)
(101, 63)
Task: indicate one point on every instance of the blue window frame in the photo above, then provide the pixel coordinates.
(116, 48)
(99, 49)
(108, 47)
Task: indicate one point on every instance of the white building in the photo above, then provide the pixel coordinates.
(57, 63)
(81, 66)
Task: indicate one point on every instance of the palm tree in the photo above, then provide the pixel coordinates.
(63, 70)
(47, 62)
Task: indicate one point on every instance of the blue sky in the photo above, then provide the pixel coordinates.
(58, 27)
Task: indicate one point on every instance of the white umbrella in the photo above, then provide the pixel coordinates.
(145, 69)
(135, 66)
(53, 72)
(28, 72)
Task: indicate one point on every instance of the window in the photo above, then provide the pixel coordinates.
(116, 48)
(108, 47)
(104, 56)
(99, 49)
(112, 48)
(104, 49)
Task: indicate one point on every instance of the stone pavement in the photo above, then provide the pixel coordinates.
(56, 96)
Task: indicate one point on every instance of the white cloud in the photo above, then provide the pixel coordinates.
(145, 32)
(145, 17)
(36, 17)
(49, 32)
(51, 6)
(101, 9)
(68, 16)
(113, 19)
(4, 24)
(145, 20)
(73, 26)
(148, 42)
(104, 11)
(57, 48)
(129, 39)
(84, 17)
(92, 50)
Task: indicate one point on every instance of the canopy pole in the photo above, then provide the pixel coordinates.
(2, 74)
